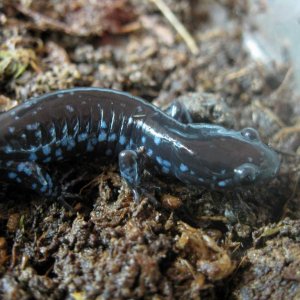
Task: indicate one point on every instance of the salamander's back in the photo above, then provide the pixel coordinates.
(70, 119)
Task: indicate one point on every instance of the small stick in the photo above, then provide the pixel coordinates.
(186, 36)
(272, 115)
(285, 131)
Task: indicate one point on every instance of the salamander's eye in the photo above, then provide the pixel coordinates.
(250, 134)
(246, 173)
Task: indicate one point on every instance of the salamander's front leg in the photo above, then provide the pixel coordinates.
(30, 175)
(179, 112)
(130, 171)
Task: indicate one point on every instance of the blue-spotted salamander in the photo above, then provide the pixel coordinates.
(103, 122)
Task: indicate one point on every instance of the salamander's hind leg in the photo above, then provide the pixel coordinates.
(30, 175)
(130, 171)
(179, 112)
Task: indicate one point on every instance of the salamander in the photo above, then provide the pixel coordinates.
(101, 122)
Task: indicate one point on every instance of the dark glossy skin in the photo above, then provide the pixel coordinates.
(96, 122)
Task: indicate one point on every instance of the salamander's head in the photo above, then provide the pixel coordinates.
(262, 162)
(221, 158)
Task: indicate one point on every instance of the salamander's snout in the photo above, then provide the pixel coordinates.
(267, 169)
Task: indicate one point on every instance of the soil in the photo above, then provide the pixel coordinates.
(182, 242)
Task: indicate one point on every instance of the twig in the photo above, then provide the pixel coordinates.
(285, 83)
(186, 36)
(267, 111)
(285, 131)
(239, 73)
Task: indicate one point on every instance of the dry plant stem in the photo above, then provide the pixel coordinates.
(273, 116)
(288, 78)
(239, 73)
(186, 36)
(285, 131)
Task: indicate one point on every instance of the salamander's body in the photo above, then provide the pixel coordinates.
(97, 122)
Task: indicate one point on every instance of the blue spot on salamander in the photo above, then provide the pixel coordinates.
(71, 144)
(183, 168)
(102, 136)
(9, 163)
(157, 140)
(23, 167)
(52, 131)
(38, 134)
(82, 137)
(130, 120)
(149, 152)
(12, 175)
(32, 156)
(122, 140)
(222, 183)
(43, 189)
(159, 160)
(11, 129)
(165, 170)
(103, 124)
(58, 152)
(8, 149)
(94, 141)
(64, 141)
(46, 150)
(166, 163)
(112, 137)
(33, 126)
